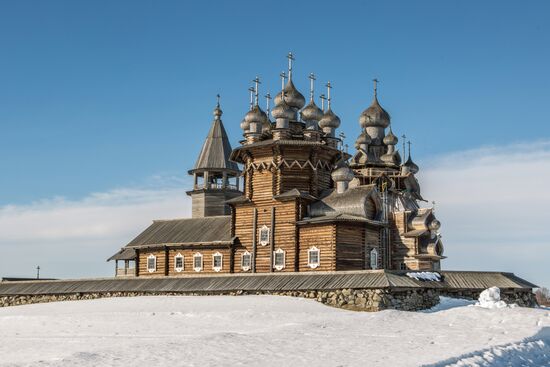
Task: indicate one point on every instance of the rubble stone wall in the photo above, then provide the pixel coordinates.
(351, 299)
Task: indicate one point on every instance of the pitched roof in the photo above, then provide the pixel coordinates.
(294, 193)
(216, 150)
(124, 254)
(364, 279)
(355, 201)
(185, 231)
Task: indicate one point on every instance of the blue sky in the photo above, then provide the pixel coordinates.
(96, 94)
(113, 96)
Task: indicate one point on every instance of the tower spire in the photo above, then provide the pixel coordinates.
(256, 82)
(329, 87)
(290, 58)
(404, 151)
(375, 81)
(409, 144)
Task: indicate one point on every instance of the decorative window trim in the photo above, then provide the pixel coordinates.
(217, 268)
(279, 266)
(176, 268)
(264, 230)
(311, 264)
(243, 267)
(196, 268)
(154, 268)
(374, 259)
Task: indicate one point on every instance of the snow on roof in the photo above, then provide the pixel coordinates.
(426, 276)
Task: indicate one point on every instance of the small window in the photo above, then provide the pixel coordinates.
(217, 261)
(403, 266)
(178, 263)
(374, 259)
(246, 261)
(264, 235)
(279, 259)
(151, 263)
(197, 261)
(313, 257)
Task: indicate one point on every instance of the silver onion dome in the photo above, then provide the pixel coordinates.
(311, 112)
(217, 112)
(255, 115)
(245, 125)
(413, 168)
(390, 139)
(363, 138)
(329, 120)
(282, 110)
(374, 116)
(342, 173)
(293, 98)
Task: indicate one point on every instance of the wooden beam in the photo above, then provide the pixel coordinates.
(166, 260)
(254, 225)
(272, 239)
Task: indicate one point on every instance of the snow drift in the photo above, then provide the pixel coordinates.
(262, 330)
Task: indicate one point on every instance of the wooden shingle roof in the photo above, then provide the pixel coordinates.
(185, 231)
(452, 280)
(215, 151)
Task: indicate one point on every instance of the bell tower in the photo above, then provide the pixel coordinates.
(215, 177)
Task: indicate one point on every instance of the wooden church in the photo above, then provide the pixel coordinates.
(305, 204)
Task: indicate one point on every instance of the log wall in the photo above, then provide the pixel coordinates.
(322, 236)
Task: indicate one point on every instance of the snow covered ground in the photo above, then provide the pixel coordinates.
(267, 331)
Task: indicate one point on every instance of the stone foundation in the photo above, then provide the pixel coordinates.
(521, 298)
(351, 299)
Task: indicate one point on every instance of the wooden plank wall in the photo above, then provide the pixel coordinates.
(142, 263)
(403, 248)
(322, 236)
(206, 259)
(350, 246)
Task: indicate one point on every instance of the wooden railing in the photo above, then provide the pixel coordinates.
(126, 272)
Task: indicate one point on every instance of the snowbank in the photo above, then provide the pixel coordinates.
(258, 330)
(490, 298)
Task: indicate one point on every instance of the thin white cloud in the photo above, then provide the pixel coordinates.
(73, 238)
(492, 202)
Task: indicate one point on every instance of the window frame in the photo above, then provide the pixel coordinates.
(373, 255)
(279, 251)
(196, 268)
(309, 262)
(154, 268)
(214, 267)
(264, 229)
(176, 268)
(249, 266)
